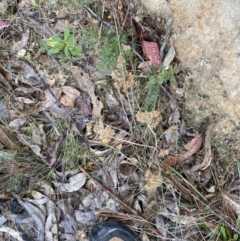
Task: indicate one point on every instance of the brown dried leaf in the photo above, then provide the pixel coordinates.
(7, 138)
(85, 84)
(193, 146)
(128, 167)
(174, 160)
(208, 156)
(67, 101)
(233, 202)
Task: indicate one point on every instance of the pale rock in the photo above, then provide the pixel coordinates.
(206, 36)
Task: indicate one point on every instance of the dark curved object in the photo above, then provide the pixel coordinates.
(106, 230)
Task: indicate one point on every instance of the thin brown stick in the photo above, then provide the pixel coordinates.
(133, 211)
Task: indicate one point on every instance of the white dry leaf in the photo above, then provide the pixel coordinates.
(87, 218)
(99, 153)
(160, 223)
(47, 189)
(88, 201)
(171, 135)
(26, 4)
(36, 136)
(51, 229)
(86, 85)
(25, 100)
(2, 220)
(69, 226)
(50, 99)
(3, 6)
(74, 183)
(69, 237)
(17, 123)
(35, 148)
(39, 198)
(21, 53)
(145, 237)
(17, 235)
(111, 102)
(22, 43)
(233, 201)
(37, 215)
(169, 58)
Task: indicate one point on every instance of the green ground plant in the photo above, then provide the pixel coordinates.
(152, 87)
(66, 44)
(224, 234)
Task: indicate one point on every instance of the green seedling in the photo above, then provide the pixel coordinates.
(65, 45)
(152, 87)
(225, 236)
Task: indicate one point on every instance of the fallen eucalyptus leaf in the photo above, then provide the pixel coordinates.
(193, 146)
(169, 58)
(74, 184)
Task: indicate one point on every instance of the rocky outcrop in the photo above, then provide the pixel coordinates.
(206, 35)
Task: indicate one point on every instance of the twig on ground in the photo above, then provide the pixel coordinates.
(168, 30)
(149, 225)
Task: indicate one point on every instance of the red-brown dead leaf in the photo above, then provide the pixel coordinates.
(192, 146)
(173, 160)
(151, 52)
(150, 49)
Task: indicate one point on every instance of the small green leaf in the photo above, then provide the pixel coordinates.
(54, 51)
(70, 39)
(56, 38)
(57, 48)
(60, 46)
(51, 43)
(224, 234)
(76, 50)
(67, 52)
(235, 237)
(66, 33)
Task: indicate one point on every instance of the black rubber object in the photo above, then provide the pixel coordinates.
(106, 230)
